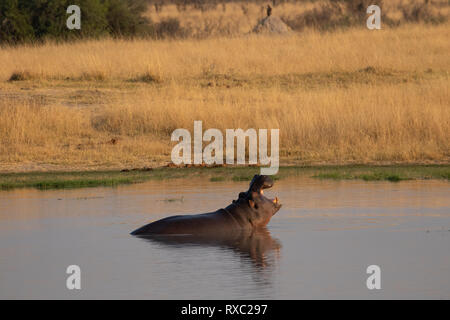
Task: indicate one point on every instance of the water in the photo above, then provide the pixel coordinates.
(317, 246)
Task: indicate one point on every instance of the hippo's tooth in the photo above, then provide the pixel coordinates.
(275, 200)
(261, 191)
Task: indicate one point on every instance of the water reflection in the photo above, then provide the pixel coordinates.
(256, 246)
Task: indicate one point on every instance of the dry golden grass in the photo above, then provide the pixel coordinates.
(237, 18)
(350, 96)
(410, 48)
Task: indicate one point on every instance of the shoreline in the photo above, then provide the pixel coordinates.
(111, 178)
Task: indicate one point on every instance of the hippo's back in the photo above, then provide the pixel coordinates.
(185, 224)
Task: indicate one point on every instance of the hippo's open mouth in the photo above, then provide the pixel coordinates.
(261, 192)
(267, 183)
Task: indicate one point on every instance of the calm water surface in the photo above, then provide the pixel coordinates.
(317, 246)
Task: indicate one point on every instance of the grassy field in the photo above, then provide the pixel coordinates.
(237, 18)
(344, 97)
(84, 179)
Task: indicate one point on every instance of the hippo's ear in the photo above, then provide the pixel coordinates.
(251, 203)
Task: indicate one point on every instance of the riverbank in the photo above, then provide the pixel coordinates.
(86, 179)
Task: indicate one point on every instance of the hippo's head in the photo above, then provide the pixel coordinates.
(262, 209)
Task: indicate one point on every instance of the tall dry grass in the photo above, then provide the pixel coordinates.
(409, 48)
(349, 96)
(237, 18)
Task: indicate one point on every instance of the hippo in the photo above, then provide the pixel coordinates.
(252, 210)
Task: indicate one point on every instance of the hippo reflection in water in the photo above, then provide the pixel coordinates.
(251, 211)
(256, 246)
